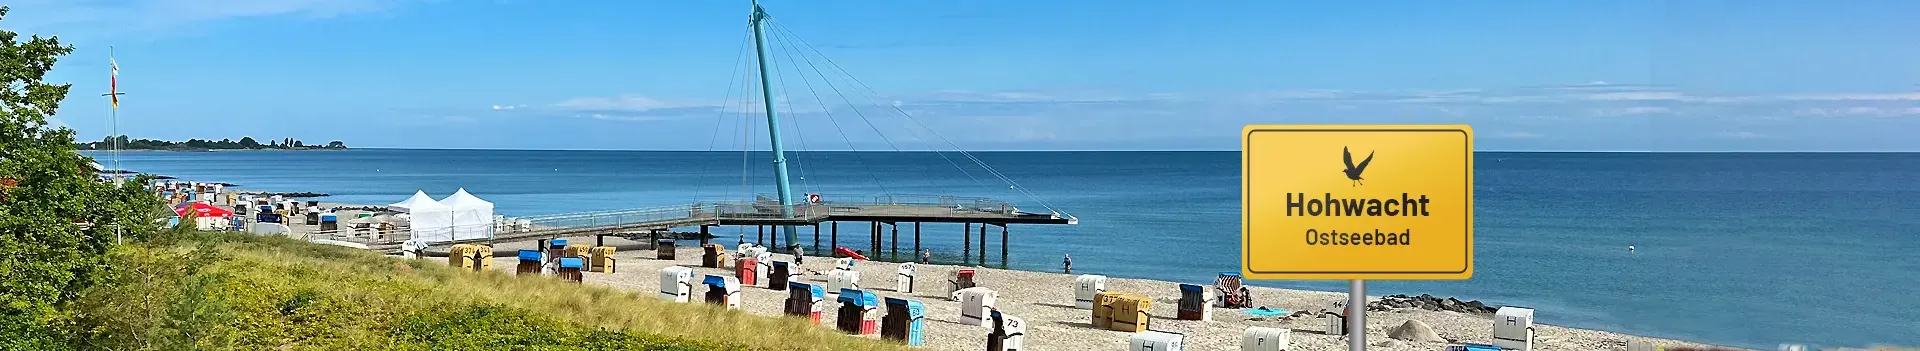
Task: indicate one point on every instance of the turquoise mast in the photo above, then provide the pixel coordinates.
(773, 124)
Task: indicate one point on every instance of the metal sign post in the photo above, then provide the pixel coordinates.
(1357, 316)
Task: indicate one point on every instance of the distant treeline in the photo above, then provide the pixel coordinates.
(245, 143)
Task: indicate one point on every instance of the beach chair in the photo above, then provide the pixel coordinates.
(1265, 339)
(676, 283)
(858, 309)
(903, 278)
(1194, 304)
(778, 277)
(601, 260)
(530, 261)
(1156, 341)
(723, 290)
(905, 321)
(1085, 287)
(570, 268)
(961, 281)
(1009, 333)
(975, 303)
(747, 269)
(1513, 328)
(714, 256)
(665, 250)
(803, 300)
(1230, 292)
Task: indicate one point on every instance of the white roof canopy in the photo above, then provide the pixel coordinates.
(472, 217)
(420, 202)
(461, 200)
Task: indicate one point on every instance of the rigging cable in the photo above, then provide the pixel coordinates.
(916, 135)
(719, 117)
(855, 151)
(746, 139)
(996, 173)
(794, 119)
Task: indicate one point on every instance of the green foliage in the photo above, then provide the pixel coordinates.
(57, 225)
(494, 327)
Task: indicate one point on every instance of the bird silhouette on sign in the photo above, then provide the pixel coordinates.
(1353, 171)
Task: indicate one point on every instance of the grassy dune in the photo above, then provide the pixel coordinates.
(232, 291)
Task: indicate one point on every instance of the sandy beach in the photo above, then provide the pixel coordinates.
(1045, 301)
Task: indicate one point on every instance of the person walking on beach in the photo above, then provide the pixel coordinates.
(926, 257)
(799, 256)
(1067, 264)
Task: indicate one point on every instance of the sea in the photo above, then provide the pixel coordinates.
(1738, 249)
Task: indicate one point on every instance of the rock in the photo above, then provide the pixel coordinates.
(1476, 307)
(1414, 330)
(1384, 343)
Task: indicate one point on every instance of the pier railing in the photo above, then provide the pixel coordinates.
(671, 216)
(871, 204)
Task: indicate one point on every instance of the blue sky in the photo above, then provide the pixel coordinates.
(1527, 75)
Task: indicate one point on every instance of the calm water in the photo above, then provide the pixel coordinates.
(1739, 249)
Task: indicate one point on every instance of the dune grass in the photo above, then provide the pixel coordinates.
(208, 290)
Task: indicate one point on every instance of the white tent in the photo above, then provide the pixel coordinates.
(472, 217)
(430, 220)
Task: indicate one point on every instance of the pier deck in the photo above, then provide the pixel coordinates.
(638, 223)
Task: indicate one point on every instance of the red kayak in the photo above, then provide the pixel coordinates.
(844, 251)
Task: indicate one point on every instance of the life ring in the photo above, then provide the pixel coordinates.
(813, 198)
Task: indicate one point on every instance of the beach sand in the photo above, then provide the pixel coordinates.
(1045, 301)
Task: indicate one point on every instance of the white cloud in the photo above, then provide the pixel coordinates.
(506, 107)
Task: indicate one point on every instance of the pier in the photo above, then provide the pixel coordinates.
(883, 215)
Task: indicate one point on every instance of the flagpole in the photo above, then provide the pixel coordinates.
(113, 119)
(113, 113)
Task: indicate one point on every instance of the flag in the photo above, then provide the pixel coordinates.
(113, 83)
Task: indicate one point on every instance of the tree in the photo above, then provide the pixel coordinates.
(248, 143)
(298, 144)
(58, 220)
(336, 144)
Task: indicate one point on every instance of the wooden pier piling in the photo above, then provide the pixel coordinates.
(1003, 245)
